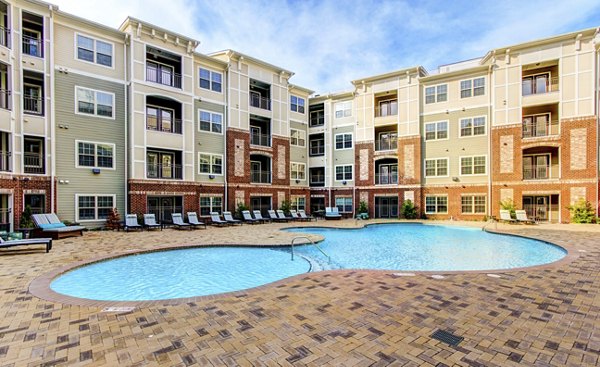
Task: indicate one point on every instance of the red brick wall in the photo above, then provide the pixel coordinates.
(19, 186)
(454, 194)
(357, 149)
(415, 141)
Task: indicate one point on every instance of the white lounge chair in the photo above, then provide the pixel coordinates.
(281, 215)
(131, 222)
(248, 217)
(258, 216)
(229, 219)
(295, 216)
(27, 242)
(193, 220)
(522, 217)
(275, 217)
(332, 213)
(52, 226)
(303, 215)
(505, 216)
(215, 220)
(150, 222)
(178, 221)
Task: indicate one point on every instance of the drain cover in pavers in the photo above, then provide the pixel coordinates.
(446, 337)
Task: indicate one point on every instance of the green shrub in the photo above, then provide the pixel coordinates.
(362, 207)
(286, 206)
(509, 204)
(582, 212)
(240, 208)
(409, 210)
(26, 220)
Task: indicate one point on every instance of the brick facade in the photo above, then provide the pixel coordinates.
(19, 185)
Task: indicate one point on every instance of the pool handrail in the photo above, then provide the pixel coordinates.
(313, 243)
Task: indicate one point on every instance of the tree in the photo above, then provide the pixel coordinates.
(114, 220)
(362, 207)
(582, 212)
(409, 210)
(286, 206)
(509, 204)
(26, 219)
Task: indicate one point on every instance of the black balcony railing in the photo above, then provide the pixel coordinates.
(534, 128)
(317, 180)
(164, 171)
(5, 99)
(166, 126)
(386, 144)
(260, 139)
(5, 37)
(33, 105)
(5, 161)
(32, 46)
(260, 176)
(539, 85)
(536, 173)
(258, 101)
(386, 178)
(386, 109)
(33, 163)
(163, 76)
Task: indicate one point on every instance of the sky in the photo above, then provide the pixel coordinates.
(329, 43)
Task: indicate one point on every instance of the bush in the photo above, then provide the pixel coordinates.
(362, 207)
(286, 206)
(582, 212)
(509, 204)
(240, 208)
(26, 220)
(409, 210)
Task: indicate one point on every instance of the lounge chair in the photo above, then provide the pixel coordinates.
(193, 220)
(522, 217)
(295, 216)
(131, 222)
(505, 217)
(258, 216)
(303, 215)
(27, 242)
(215, 220)
(229, 219)
(332, 213)
(276, 218)
(178, 221)
(150, 222)
(50, 225)
(248, 217)
(281, 215)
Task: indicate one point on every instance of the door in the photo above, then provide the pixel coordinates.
(384, 210)
(32, 98)
(5, 213)
(384, 174)
(541, 208)
(167, 166)
(255, 171)
(152, 165)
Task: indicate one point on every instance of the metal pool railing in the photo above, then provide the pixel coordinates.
(313, 243)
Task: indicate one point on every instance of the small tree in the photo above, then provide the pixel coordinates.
(26, 220)
(240, 208)
(409, 210)
(362, 207)
(286, 206)
(509, 204)
(114, 220)
(582, 212)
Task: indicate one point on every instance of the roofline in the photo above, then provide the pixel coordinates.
(131, 19)
(294, 86)
(90, 22)
(211, 59)
(454, 73)
(337, 95)
(253, 59)
(419, 69)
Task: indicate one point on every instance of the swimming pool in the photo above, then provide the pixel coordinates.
(190, 272)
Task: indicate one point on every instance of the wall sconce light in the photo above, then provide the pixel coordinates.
(96, 171)
(297, 181)
(455, 179)
(212, 177)
(344, 182)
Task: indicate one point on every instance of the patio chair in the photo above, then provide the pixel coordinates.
(303, 215)
(248, 217)
(505, 217)
(295, 216)
(131, 222)
(150, 222)
(522, 217)
(258, 216)
(178, 221)
(332, 213)
(215, 220)
(50, 225)
(274, 217)
(281, 215)
(229, 219)
(27, 242)
(193, 220)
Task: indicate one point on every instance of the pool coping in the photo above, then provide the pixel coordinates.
(40, 286)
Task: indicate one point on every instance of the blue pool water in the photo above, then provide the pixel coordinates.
(211, 270)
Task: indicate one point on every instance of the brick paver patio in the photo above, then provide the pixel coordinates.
(538, 316)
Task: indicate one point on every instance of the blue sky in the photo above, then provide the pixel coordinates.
(329, 43)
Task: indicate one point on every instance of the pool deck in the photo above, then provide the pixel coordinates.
(541, 316)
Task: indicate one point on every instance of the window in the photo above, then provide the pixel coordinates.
(343, 141)
(317, 146)
(436, 94)
(343, 109)
(97, 155)
(210, 164)
(93, 102)
(343, 173)
(162, 119)
(472, 126)
(344, 204)
(211, 80)
(37, 203)
(317, 118)
(94, 51)
(436, 167)
(435, 204)
(472, 204)
(298, 138)
(472, 165)
(94, 207)
(210, 204)
(436, 130)
(298, 171)
(297, 104)
(535, 84)
(298, 203)
(210, 121)
(472, 87)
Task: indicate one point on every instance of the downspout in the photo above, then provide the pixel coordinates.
(489, 141)
(596, 107)
(226, 119)
(126, 124)
(52, 114)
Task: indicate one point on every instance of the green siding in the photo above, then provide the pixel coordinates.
(87, 128)
(207, 142)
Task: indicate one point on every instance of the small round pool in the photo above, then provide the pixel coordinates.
(191, 272)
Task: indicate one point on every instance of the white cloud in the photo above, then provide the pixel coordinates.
(329, 43)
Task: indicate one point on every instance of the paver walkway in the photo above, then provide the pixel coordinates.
(546, 316)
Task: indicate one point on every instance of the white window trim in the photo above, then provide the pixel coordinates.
(114, 156)
(302, 132)
(473, 204)
(298, 97)
(473, 128)
(95, 114)
(335, 141)
(211, 165)
(472, 89)
(447, 159)
(95, 208)
(212, 113)
(344, 109)
(75, 53)
(344, 179)
(436, 130)
(212, 207)
(473, 166)
(436, 205)
(211, 72)
(345, 197)
(298, 165)
(435, 94)
(549, 155)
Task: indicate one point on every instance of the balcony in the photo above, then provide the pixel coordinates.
(383, 144)
(260, 131)
(165, 171)
(260, 139)
(540, 163)
(33, 163)
(161, 74)
(256, 100)
(539, 126)
(317, 180)
(316, 145)
(541, 172)
(5, 37)
(386, 178)
(5, 99)
(260, 177)
(317, 115)
(5, 161)
(260, 95)
(260, 169)
(33, 105)
(387, 108)
(163, 114)
(32, 46)
(386, 171)
(540, 83)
